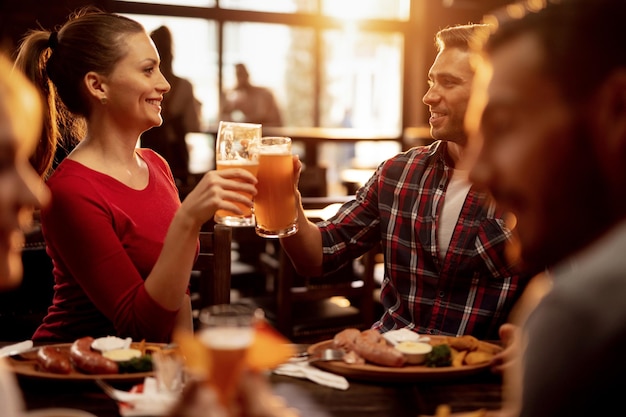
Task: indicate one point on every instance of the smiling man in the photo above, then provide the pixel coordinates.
(551, 100)
(444, 240)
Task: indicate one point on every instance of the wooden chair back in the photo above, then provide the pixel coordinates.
(303, 308)
(210, 280)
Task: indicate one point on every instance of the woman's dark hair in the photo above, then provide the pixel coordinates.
(57, 62)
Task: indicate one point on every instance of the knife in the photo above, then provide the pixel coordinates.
(16, 348)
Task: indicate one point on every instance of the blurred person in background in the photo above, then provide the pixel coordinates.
(121, 242)
(549, 117)
(181, 115)
(444, 240)
(250, 103)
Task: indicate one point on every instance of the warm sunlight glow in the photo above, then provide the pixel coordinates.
(348, 9)
(340, 301)
(362, 9)
(201, 3)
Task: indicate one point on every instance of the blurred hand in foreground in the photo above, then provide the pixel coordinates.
(254, 399)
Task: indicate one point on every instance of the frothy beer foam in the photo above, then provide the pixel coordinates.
(226, 338)
(236, 162)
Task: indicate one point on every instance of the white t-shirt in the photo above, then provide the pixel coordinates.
(455, 196)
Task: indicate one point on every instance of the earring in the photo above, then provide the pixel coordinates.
(103, 100)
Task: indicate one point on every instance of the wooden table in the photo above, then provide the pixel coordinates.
(311, 137)
(362, 399)
(365, 399)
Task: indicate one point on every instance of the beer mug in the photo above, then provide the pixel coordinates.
(236, 146)
(227, 331)
(275, 203)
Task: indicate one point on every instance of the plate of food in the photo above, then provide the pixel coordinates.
(129, 362)
(369, 356)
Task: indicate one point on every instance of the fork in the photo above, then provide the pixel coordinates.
(327, 355)
(108, 389)
(149, 401)
(119, 395)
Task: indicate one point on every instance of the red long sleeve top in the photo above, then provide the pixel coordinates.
(104, 238)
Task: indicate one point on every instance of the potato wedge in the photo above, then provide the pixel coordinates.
(458, 358)
(477, 357)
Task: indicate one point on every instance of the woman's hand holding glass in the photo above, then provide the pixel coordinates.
(227, 189)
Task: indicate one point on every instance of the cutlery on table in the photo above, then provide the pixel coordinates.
(322, 355)
(327, 355)
(149, 398)
(16, 348)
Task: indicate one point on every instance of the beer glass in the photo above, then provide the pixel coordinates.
(275, 203)
(236, 146)
(227, 331)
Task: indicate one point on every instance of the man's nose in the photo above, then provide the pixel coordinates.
(430, 97)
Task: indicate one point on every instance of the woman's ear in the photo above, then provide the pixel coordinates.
(96, 86)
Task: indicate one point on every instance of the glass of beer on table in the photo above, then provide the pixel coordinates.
(275, 203)
(236, 146)
(227, 331)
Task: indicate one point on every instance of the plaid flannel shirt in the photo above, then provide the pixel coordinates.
(470, 292)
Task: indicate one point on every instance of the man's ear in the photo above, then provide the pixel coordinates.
(610, 113)
(607, 113)
(96, 86)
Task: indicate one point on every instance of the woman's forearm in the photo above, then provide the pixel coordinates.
(169, 279)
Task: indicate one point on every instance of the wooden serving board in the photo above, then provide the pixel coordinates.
(371, 372)
(25, 365)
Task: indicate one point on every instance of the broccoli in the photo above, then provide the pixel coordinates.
(440, 356)
(140, 364)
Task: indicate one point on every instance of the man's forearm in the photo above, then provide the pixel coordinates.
(305, 247)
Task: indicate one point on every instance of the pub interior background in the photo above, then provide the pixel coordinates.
(348, 76)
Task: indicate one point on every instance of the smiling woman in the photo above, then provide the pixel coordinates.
(121, 241)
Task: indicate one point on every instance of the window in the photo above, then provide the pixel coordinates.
(358, 88)
(278, 57)
(329, 64)
(280, 6)
(326, 69)
(201, 3)
(367, 9)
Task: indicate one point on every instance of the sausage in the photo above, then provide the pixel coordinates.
(346, 339)
(89, 361)
(371, 336)
(380, 354)
(353, 358)
(51, 359)
(374, 348)
(369, 345)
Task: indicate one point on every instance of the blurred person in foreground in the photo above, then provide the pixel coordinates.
(444, 240)
(21, 191)
(549, 117)
(121, 242)
(181, 114)
(250, 103)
